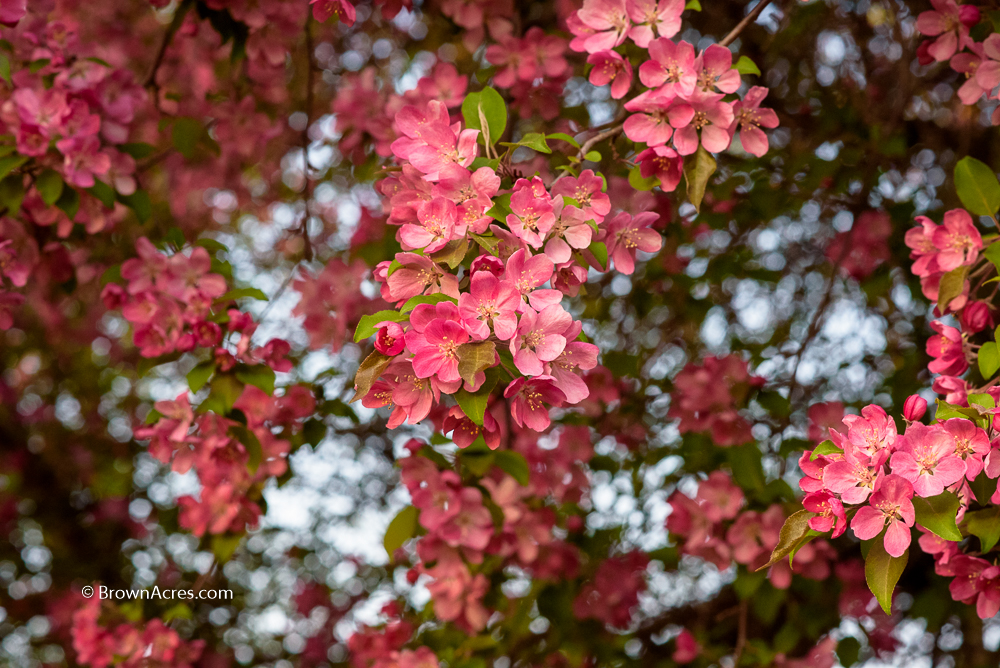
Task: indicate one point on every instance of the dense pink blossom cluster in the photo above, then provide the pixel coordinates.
(706, 398)
(128, 645)
(939, 249)
(714, 526)
(875, 474)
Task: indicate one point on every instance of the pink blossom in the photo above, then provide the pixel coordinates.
(531, 217)
(971, 444)
(626, 235)
(657, 117)
(648, 15)
(611, 68)
(670, 69)
(890, 503)
(472, 525)
(687, 648)
(608, 19)
(926, 457)
(982, 67)
(950, 23)
(749, 118)
(437, 226)
(489, 302)
(389, 339)
(709, 114)
(526, 273)
(343, 10)
(947, 350)
(419, 275)
(576, 355)
(12, 11)
(529, 398)
(873, 432)
(435, 349)
(588, 191)
(664, 163)
(570, 231)
(853, 477)
(829, 513)
(957, 240)
(539, 338)
(914, 407)
(714, 67)
(976, 317)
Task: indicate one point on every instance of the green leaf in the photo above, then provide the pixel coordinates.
(952, 285)
(50, 186)
(533, 140)
(213, 246)
(593, 156)
(985, 525)
(69, 202)
(937, 514)
(402, 528)
(983, 488)
(485, 108)
(453, 253)
(198, 376)
(562, 136)
(848, 651)
(241, 293)
(477, 457)
(746, 66)
(474, 358)
(367, 324)
(414, 302)
(5, 69)
(982, 399)
(745, 461)
(103, 192)
(638, 182)
(515, 464)
(12, 193)
(137, 150)
(473, 404)
(697, 172)
(977, 187)
(36, 65)
(368, 373)
(989, 359)
(186, 134)
(112, 274)
(11, 162)
(882, 571)
(487, 242)
(794, 531)
(825, 448)
(599, 249)
(252, 445)
(992, 253)
(259, 375)
(138, 202)
(226, 389)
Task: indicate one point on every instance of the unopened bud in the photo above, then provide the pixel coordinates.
(914, 407)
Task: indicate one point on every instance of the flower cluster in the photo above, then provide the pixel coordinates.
(707, 395)
(939, 249)
(715, 527)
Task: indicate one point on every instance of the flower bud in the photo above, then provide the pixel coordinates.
(489, 263)
(976, 317)
(914, 407)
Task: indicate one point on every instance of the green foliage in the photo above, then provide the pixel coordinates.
(937, 514)
(485, 111)
(882, 571)
(977, 187)
(402, 528)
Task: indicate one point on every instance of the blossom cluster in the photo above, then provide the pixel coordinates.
(714, 526)
(706, 398)
(876, 474)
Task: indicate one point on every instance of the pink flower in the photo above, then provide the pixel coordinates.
(853, 477)
(626, 235)
(663, 16)
(472, 525)
(890, 503)
(957, 240)
(709, 114)
(611, 68)
(342, 9)
(971, 444)
(489, 302)
(437, 226)
(873, 432)
(570, 231)
(830, 513)
(389, 339)
(914, 407)
(587, 189)
(657, 117)
(664, 163)
(430, 143)
(671, 68)
(608, 19)
(947, 350)
(419, 275)
(714, 68)
(687, 649)
(926, 457)
(531, 217)
(529, 398)
(576, 355)
(986, 71)
(435, 349)
(952, 22)
(749, 118)
(12, 11)
(539, 338)
(976, 317)
(526, 272)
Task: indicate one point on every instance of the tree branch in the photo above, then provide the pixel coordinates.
(750, 18)
(168, 36)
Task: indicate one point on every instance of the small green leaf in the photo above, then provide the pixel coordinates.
(794, 531)
(140, 203)
(985, 525)
(402, 528)
(534, 141)
(414, 302)
(882, 571)
(952, 285)
(478, 458)
(473, 404)
(368, 373)
(989, 359)
(977, 187)
(103, 192)
(5, 69)
(600, 252)
(69, 202)
(12, 193)
(50, 186)
(515, 464)
(241, 293)
(11, 162)
(226, 389)
(474, 358)
(137, 150)
(693, 5)
(198, 376)
(937, 514)
(367, 324)
(487, 242)
(259, 375)
(638, 182)
(745, 462)
(213, 246)
(562, 136)
(453, 253)
(252, 445)
(827, 447)
(697, 172)
(186, 134)
(746, 66)
(593, 156)
(486, 105)
(37, 65)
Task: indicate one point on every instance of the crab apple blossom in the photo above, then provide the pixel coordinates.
(749, 118)
(489, 302)
(950, 23)
(611, 68)
(605, 24)
(927, 459)
(627, 234)
(891, 503)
